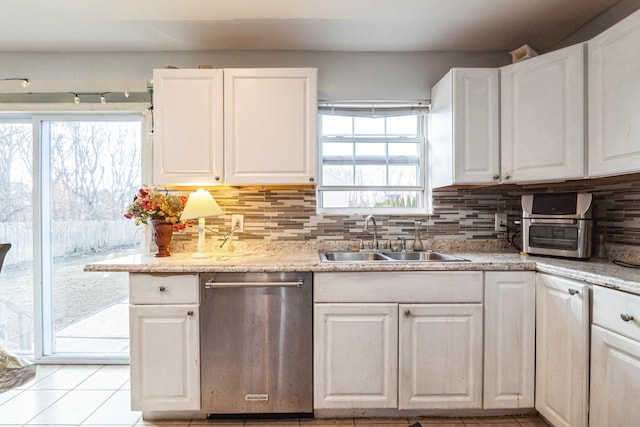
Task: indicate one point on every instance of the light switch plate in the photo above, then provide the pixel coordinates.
(237, 222)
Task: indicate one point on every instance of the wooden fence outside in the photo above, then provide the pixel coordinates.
(70, 238)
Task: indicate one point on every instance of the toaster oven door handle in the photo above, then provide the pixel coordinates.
(553, 221)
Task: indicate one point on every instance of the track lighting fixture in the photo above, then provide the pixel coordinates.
(92, 96)
(25, 82)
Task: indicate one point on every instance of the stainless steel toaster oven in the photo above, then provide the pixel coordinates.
(557, 224)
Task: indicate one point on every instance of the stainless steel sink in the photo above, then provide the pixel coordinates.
(352, 257)
(358, 257)
(422, 256)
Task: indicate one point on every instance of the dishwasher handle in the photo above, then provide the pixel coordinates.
(212, 285)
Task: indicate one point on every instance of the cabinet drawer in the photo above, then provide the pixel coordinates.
(609, 308)
(399, 286)
(163, 289)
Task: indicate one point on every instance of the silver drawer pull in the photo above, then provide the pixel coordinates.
(190, 313)
(407, 313)
(211, 285)
(626, 317)
(162, 289)
(573, 291)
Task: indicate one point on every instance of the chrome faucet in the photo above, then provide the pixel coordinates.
(375, 230)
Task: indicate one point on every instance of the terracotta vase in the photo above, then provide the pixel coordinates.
(162, 232)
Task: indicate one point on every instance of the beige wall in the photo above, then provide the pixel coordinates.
(607, 19)
(342, 75)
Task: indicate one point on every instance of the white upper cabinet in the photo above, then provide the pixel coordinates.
(614, 103)
(270, 126)
(542, 117)
(464, 144)
(188, 133)
(235, 126)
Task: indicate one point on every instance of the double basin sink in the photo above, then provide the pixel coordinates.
(358, 257)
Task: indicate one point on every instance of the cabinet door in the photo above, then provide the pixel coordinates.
(615, 379)
(165, 357)
(542, 111)
(355, 355)
(270, 126)
(509, 340)
(440, 356)
(562, 350)
(187, 127)
(464, 134)
(614, 85)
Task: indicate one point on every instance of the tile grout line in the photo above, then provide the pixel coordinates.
(100, 405)
(52, 403)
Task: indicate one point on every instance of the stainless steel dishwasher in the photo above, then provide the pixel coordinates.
(256, 343)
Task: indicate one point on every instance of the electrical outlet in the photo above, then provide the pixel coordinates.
(501, 222)
(237, 222)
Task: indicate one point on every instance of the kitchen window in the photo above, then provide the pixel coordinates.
(373, 159)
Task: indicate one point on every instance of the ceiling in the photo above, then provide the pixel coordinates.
(336, 25)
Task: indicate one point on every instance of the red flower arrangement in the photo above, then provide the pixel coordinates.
(150, 203)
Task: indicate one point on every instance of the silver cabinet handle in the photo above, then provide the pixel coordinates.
(217, 178)
(496, 177)
(162, 289)
(211, 285)
(507, 176)
(190, 313)
(311, 179)
(573, 291)
(407, 313)
(626, 317)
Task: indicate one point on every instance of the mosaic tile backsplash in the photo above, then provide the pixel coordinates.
(460, 214)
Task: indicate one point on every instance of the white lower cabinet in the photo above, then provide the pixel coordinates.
(165, 342)
(509, 341)
(164, 358)
(440, 356)
(356, 355)
(562, 350)
(374, 348)
(615, 359)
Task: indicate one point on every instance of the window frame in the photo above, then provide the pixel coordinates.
(424, 189)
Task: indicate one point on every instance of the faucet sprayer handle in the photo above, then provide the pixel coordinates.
(403, 241)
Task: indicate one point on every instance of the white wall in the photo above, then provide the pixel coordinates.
(342, 75)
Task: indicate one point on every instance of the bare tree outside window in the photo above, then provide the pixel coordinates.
(15, 171)
(94, 169)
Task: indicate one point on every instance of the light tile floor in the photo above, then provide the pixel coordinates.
(99, 395)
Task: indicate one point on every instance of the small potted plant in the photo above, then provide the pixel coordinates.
(162, 210)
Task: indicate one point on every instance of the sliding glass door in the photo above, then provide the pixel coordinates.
(90, 169)
(16, 228)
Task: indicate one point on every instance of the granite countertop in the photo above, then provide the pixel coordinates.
(598, 272)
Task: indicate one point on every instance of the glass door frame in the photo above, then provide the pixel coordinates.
(43, 267)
